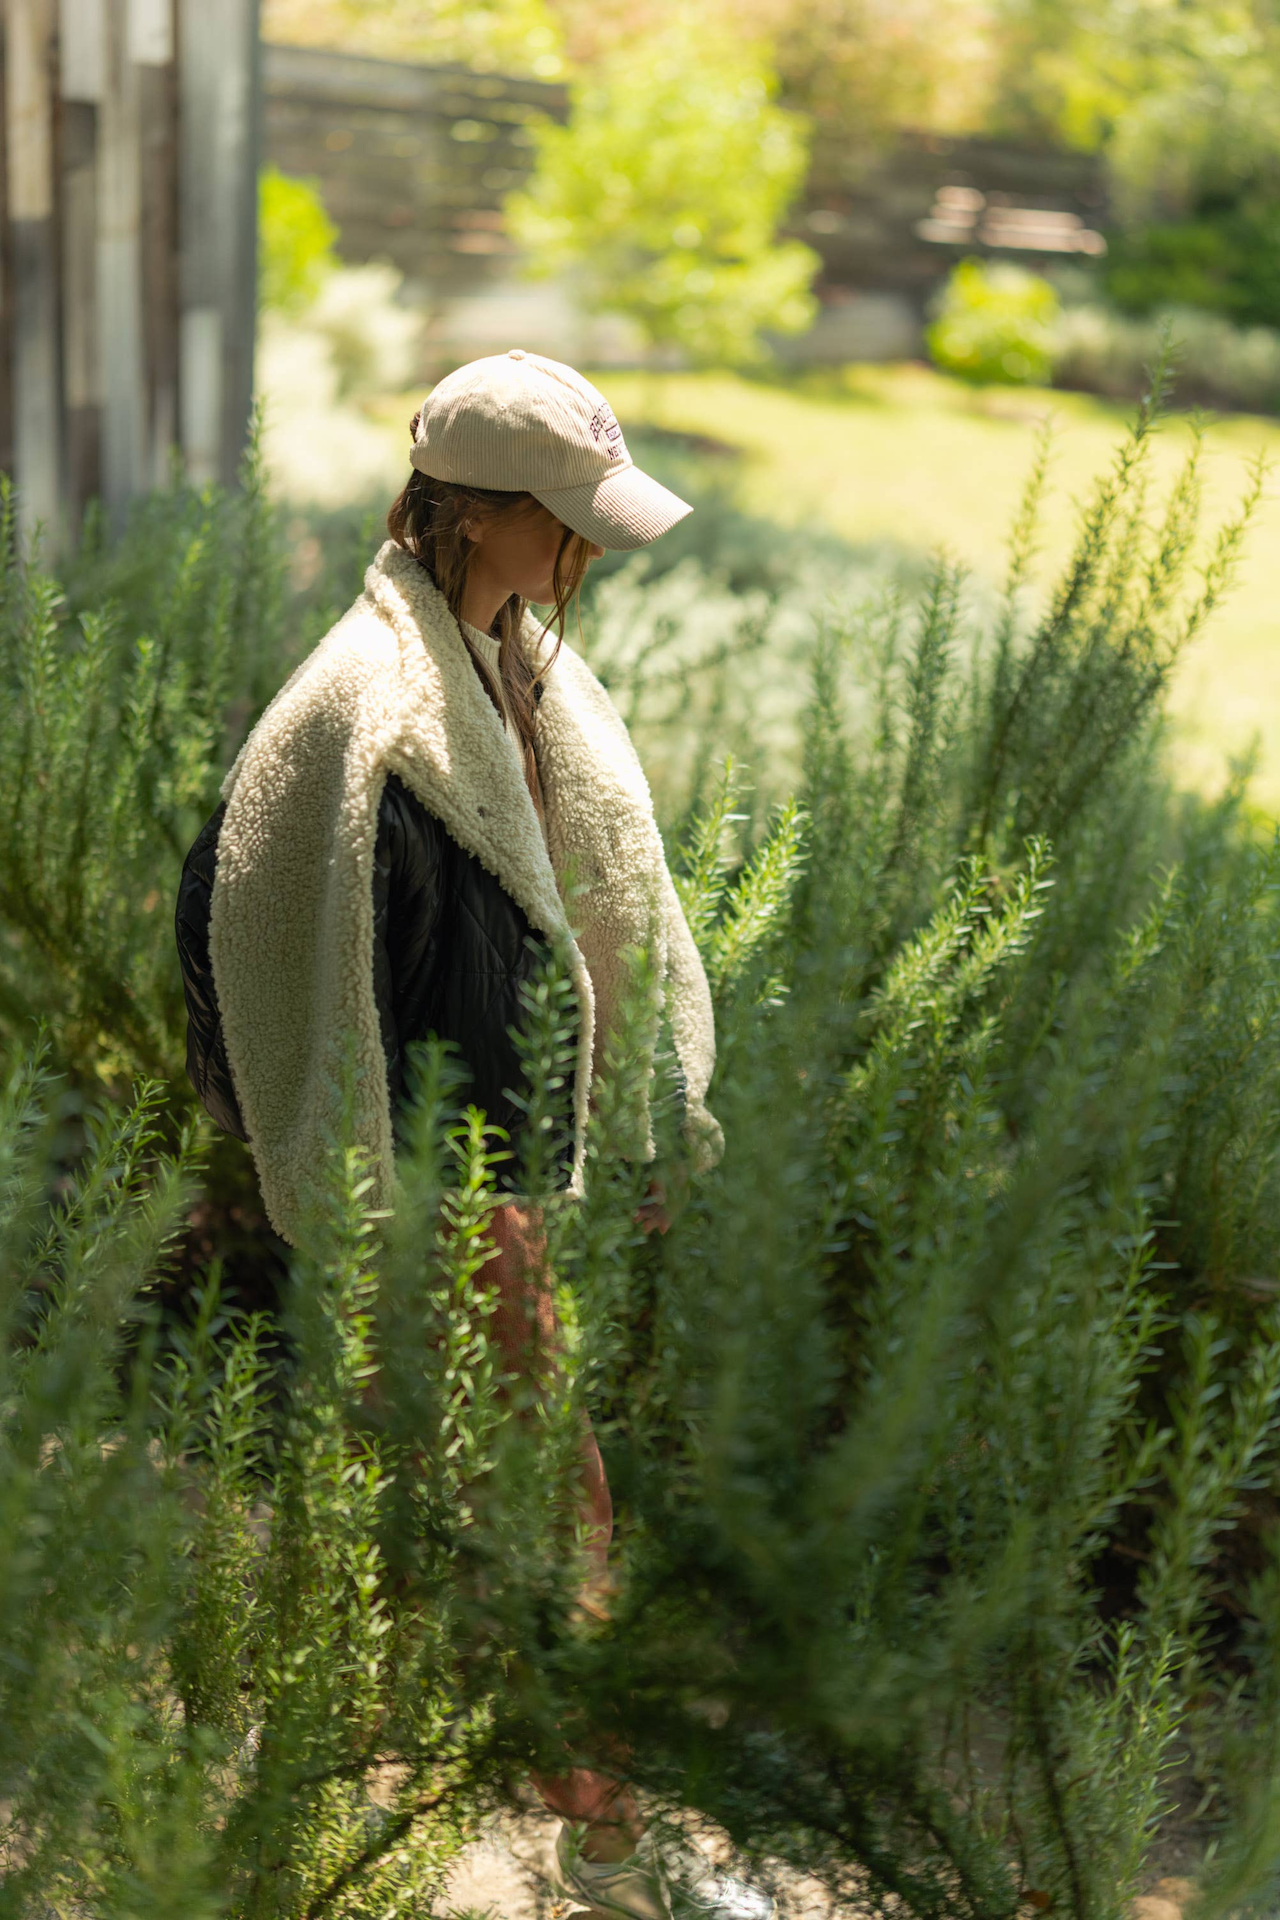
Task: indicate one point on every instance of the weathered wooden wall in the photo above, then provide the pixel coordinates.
(128, 216)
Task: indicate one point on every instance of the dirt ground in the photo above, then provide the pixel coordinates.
(505, 1875)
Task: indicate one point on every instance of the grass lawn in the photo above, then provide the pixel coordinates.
(905, 455)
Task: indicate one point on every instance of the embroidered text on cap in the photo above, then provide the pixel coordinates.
(604, 424)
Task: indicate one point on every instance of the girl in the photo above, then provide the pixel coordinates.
(386, 864)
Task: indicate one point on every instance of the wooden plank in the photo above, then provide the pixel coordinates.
(201, 361)
(151, 32)
(82, 49)
(30, 135)
(6, 288)
(120, 320)
(81, 372)
(82, 78)
(200, 262)
(218, 86)
(347, 79)
(242, 192)
(412, 159)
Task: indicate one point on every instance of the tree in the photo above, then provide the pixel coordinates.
(663, 193)
(866, 69)
(515, 36)
(1108, 77)
(1184, 103)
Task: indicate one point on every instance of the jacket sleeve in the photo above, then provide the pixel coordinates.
(408, 864)
(207, 1066)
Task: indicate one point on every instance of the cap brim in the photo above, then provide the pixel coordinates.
(625, 509)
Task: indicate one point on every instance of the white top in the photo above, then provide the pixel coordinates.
(490, 651)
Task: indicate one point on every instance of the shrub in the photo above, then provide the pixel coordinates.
(125, 683)
(994, 325)
(295, 241)
(1188, 263)
(1218, 364)
(371, 339)
(197, 1656)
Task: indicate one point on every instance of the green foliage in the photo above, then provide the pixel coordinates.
(509, 36)
(99, 1789)
(978, 1295)
(1217, 363)
(1183, 263)
(1061, 713)
(201, 1669)
(868, 73)
(663, 193)
(1224, 261)
(124, 683)
(1183, 104)
(295, 241)
(994, 325)
(1195, 86)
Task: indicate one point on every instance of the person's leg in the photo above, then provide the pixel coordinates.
(524, 1326)
(601, 1857)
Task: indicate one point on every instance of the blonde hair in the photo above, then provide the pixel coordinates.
(428, 519)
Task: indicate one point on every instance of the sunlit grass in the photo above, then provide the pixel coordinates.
(901, 454)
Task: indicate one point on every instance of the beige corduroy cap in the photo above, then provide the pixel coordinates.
(517, 421)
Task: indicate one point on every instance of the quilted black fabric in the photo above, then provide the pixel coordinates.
(451, 951)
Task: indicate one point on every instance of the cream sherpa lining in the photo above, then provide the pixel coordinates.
(391, 689)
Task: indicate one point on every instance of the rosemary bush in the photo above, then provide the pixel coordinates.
(977, 1299)
(125, 681)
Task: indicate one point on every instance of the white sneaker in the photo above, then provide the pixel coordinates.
(661, 1880)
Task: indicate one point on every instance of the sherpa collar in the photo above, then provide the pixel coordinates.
(391, 688)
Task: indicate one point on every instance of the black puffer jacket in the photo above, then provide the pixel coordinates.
(451, 950)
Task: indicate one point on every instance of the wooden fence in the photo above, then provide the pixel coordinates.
(128, 221)
(413, 163)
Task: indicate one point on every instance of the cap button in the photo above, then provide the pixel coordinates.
(515, 353)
